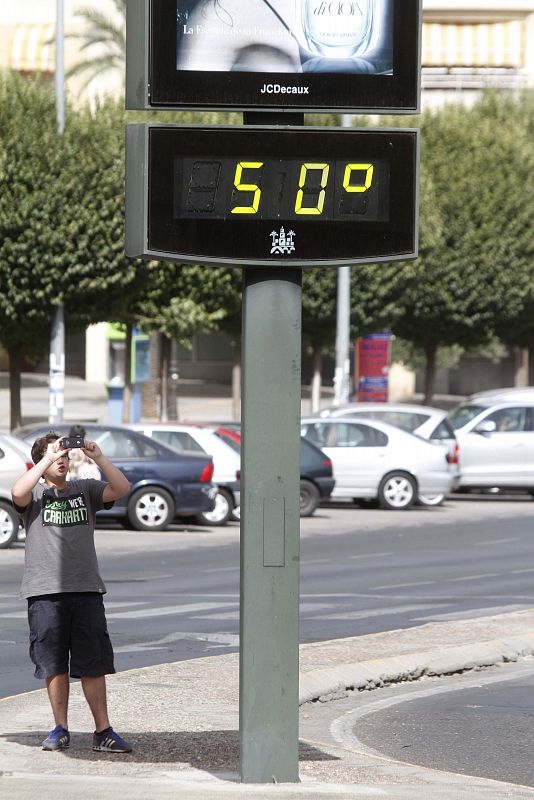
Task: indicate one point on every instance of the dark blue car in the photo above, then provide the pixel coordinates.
(165, 484)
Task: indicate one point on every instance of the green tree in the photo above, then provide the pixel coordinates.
(515, 323)
(31, 207)
(61, 221)
(472, 210)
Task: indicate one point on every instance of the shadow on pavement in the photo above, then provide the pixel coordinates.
(210, 751)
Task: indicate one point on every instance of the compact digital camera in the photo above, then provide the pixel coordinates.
(70, 442)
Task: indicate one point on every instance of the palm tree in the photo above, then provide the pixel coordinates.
(104, 39)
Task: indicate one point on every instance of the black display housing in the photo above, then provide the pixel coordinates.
(248, 240)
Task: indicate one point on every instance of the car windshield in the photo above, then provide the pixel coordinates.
(461, 415)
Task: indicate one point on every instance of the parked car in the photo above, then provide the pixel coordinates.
(316, 479)
(496, 441)
(14, 459)
(429, 423)
(226, 462)
(165, 484)
(374, 460)
(515, 393)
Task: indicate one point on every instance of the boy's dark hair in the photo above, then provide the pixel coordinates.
(40, 446)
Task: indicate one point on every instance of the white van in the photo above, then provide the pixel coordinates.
(515, 393)
(496, 438)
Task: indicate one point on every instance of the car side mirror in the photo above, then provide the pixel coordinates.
(486, 426)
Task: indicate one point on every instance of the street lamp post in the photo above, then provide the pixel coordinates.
(342, 370)
(57, 340)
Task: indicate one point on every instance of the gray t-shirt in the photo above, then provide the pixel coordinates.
(60, 546)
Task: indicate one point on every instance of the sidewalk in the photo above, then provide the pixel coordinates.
(183, 722)
(88, 402)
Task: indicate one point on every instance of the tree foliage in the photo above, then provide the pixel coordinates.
(475, 240)
(61, 218)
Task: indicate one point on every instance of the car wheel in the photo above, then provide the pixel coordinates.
(150, 509)
(397, 491)
(222, 511)
(309, 498)
(430, 499)
(9, 526)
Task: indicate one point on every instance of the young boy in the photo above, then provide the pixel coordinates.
(63, 586)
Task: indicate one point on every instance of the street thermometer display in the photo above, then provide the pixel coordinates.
(259, 196)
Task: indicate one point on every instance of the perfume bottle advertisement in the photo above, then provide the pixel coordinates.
(285, 36)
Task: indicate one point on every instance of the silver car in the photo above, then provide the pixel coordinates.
(14, 459)
(374, 460)
(496, 440)
(429, 423)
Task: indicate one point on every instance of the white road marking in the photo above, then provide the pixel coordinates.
(220, 639)
(404, 585)
(370, 555)
(381, 612)
(335, 594)
(473, 577)
(163, 611)
(305, 607)
(499, 541)
(221, 569)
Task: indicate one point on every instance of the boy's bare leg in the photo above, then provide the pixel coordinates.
(58, 693)
(94, 690)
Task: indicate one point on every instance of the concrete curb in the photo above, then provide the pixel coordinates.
(335, 682)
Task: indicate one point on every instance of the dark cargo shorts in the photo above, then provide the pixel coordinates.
(69, 629)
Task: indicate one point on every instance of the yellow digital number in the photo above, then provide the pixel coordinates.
(349, 169)
(317, 209)
(247, 187)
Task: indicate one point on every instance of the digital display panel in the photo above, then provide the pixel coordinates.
(305, 55)
(258, 196)
(281, 189)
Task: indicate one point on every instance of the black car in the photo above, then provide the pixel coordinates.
(316, 477)
(165, 484)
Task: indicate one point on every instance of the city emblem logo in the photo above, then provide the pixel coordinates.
(283, 242)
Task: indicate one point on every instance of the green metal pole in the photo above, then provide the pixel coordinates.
(270, 525)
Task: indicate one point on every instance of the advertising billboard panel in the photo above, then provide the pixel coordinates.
(373, 357)
(352, 55)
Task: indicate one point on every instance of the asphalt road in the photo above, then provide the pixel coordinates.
(478, 724)
(175, 595)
